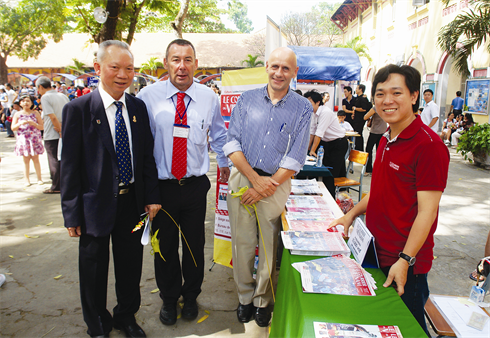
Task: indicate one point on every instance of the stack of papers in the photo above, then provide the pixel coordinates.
(336, 330)
(305, 187)
(338, 275)
(314, 243)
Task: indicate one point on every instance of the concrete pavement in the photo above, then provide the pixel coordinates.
(35, 304)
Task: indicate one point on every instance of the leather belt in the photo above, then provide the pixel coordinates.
(261, 172)
(183, 181)
(124, 189)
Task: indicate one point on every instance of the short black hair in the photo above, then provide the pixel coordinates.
(362, 87)
(180, 42)
(341, 113)
(299, 92)
(429, 91)
(411, 75)
(349, 88)
(315, 96)
(458, 93)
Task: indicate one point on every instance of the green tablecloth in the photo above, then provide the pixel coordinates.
(295, 311)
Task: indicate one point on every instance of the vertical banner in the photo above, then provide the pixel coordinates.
(233, 84)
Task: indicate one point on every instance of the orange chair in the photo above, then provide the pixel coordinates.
(355, 156)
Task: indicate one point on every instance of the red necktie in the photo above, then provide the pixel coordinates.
(179, 153)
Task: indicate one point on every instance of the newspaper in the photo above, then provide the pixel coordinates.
(335, 330)
(314, 243)
(338, 274)
(299, 203)
(305, 187)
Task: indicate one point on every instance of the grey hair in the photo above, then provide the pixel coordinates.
(44, 82)
(101, 52)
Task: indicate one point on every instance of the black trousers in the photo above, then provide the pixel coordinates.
(94, 265)
(51, 147)
(187, 206)
(372, 141)
(359, 140)
(335, 156)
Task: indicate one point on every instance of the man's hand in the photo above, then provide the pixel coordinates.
(250, 197)
(312, 153)
(152, 210)
(224, 174)
(265, 186)
(74, 231)
(346, 221)
(398, 274)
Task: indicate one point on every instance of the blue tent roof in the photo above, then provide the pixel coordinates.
(29, 76)
(330, 64)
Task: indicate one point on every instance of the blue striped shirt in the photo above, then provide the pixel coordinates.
(271, 136)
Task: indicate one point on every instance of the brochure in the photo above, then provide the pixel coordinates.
(314, 243)
(299, 203)
(305, 187)
(335, 330)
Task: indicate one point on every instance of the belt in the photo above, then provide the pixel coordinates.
(261, 172)
(183, 181)
(124, 189)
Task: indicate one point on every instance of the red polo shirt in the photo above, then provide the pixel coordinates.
(416, 160)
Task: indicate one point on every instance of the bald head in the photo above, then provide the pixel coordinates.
(281, 68)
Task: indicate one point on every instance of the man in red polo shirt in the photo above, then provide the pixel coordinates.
(409, 176)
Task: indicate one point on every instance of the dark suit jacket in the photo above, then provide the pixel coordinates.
(89, 170)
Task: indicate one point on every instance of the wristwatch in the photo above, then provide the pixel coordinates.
(410, 260)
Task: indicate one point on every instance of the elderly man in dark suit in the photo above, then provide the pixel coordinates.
(109, 178)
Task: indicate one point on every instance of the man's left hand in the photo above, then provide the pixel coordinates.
(251, 196)
(152, 210)
(224, 174)
(398, 274)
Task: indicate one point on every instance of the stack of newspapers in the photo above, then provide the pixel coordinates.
(305, 187)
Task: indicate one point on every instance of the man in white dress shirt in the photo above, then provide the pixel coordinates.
(181, 115)
(430, 114)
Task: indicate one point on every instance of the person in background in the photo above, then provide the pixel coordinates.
(360, 107)
(78, 92)
(430, 114)
(465, 126)
(447, 128)
(348, 104)
(4, 108)
(32, 90)
(326, 97)
(378, 127)
(457, 105)
(299, 92)
(419, 111)
(11, 96)
(28, 124)
(346, 125)
(409, 177)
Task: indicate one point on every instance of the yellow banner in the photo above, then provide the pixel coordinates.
(243, 77)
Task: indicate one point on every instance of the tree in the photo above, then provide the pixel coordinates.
(78, 68)
(237, 12)
(256, 43)
(360, 48)
(151, 66)
(25, 28)
(329, 30)
(127, 17)
(466, 33)
(252, 61)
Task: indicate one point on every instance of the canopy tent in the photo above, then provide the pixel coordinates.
(70, 77)
(329, 64)
(29, 76)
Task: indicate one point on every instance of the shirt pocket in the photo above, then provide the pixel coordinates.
(281, 142)
(198, 131)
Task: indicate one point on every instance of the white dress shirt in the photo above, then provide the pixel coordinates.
(203, 115)
(110, 111)
(430, 111)
(328, 127)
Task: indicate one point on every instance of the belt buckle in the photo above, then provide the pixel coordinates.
(182, 181)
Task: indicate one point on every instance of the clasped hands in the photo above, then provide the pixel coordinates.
(263, 187)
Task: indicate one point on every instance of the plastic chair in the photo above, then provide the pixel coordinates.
(355, 156)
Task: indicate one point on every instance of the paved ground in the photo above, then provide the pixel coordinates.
(34, 304)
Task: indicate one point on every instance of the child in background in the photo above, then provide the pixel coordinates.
(346, 125)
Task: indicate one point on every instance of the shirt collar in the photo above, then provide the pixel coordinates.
(172, 90)
(282, 101)
(107, 100)
(408, 132)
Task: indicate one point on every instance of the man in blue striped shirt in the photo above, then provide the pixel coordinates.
(267, 142)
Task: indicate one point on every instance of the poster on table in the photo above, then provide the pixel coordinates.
(233, 84)
(477, 95)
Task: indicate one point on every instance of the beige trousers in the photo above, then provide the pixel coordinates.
(245, 236)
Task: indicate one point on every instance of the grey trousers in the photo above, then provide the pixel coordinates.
(245, 236)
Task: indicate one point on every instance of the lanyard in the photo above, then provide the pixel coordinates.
(185, 111)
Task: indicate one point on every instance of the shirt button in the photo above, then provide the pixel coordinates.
(115, 195)
(264, 146)
(387, 148)
(267, 133)
(260, 161)
(271, 118)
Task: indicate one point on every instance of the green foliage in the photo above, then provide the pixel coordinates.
(252, 61)
(151, 66)
(237, 12)
(467, 32)
(78, 68)
(360, 48)
(476, 140)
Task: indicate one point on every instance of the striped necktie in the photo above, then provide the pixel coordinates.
(123, 152)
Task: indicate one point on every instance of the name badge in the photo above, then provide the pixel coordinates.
(181, 131)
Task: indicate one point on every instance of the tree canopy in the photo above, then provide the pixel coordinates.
(26, 27)
(237, 12)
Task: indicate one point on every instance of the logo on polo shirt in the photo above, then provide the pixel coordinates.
(394, 166)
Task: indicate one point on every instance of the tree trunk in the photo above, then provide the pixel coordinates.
(179, 19)
(134, 21)
(3, 70)
(108, 31)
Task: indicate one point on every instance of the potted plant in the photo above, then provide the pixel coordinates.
(476, 141)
